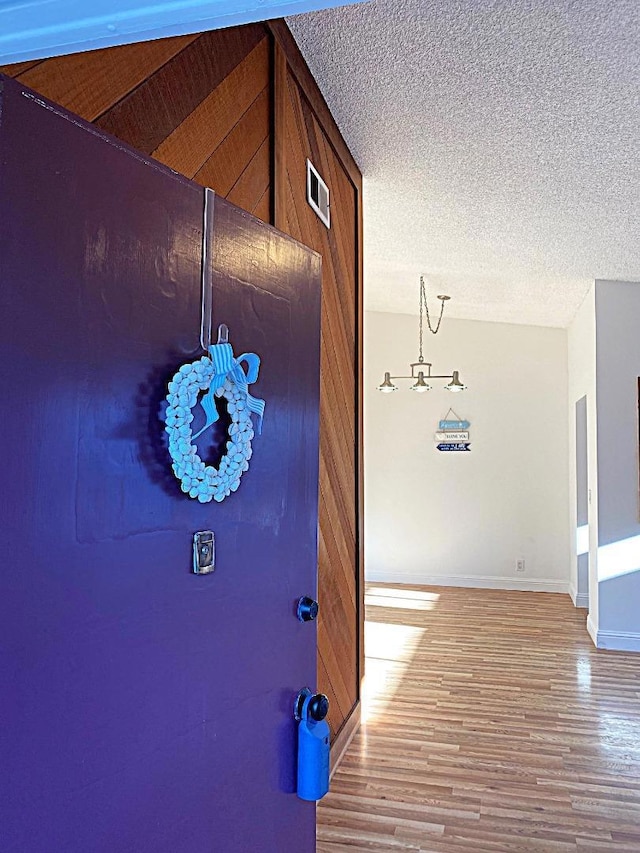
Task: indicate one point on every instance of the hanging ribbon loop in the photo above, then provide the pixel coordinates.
(226, 366)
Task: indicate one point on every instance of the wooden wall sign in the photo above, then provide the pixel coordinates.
(453, 434)
(454, 424)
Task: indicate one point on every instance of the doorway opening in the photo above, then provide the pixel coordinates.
(582, 505)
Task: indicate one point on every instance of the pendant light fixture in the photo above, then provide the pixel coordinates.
(421, 369)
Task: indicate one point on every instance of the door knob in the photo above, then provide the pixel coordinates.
(318, 707)
(313, 745)
(307, 609)
(308, 704)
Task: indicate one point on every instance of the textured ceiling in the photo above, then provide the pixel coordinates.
(499, 141)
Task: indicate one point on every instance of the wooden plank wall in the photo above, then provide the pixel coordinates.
(199, 104)
(237, 110)
(337, 625)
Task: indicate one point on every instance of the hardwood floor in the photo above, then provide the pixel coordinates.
(491, 724)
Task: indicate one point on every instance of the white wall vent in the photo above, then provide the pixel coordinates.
(318, 194)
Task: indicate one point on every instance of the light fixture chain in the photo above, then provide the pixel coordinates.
(422, 296)
(423, 299)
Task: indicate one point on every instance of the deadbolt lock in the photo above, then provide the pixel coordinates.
(204, 552)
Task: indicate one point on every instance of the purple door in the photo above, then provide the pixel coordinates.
(145, 709)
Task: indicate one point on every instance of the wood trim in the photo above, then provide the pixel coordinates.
(300, 70)
(345, 736)
(279, 135)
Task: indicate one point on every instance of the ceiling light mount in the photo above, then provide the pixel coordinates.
(421, 369)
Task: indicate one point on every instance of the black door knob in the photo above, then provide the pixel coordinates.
(307, 609)
(318, 707)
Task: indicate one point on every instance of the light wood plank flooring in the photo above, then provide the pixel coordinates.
(491, 724)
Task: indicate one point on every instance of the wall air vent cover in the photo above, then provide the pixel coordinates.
(318, 194)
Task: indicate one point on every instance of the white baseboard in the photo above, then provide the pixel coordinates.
(619, 641)
(471, 581)
(580, 599)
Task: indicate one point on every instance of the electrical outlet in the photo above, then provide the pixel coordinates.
(520, 565)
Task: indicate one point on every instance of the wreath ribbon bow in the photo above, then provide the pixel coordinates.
(226, 366)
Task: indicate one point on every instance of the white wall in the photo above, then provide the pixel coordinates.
(617, 312)
(465, 518)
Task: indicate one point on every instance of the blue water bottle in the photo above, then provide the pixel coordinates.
(313, 745)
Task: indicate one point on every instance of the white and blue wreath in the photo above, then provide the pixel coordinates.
(221, 375)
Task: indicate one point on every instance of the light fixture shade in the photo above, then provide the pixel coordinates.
(387, 385)
(420, 385)
(455, 385)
